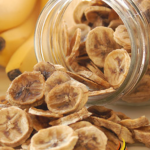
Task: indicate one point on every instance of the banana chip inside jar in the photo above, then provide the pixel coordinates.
(116, 67)
(54, 138)
(26, 90)
(15, 126)
(99, 44)
(6, 148)
(67, 97)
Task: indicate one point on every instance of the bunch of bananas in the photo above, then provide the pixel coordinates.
(17, 25)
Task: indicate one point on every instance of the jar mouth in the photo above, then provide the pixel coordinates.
(47, 34)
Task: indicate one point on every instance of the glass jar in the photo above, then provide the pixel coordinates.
(135, 90)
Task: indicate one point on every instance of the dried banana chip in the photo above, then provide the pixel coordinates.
(98, 22)
(6, 148)
(135, 123)
(70, 119)
(67, 97)
(143, 135)
(141, 93)
(122, 116)
(54, 138)
(99, 44)
(82, 49)
(44, 113)
(80, 124)
(58, 77)
(78, 13)
(121, 36)
(101, 93)
(93, 12)
(103, 112)
(15, 126)
(115, 23)
(84, 30)
(95, 78)
(39, 122)
(89, 83)
(74, 46)
(45, 68)
(90, 138)
(120, 131)
(116, 67)
(26, 90)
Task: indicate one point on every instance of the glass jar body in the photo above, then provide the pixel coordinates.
(49, 44)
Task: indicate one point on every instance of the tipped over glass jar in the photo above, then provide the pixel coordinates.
(103, 43)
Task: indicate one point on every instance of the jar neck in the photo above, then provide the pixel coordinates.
(48, 39)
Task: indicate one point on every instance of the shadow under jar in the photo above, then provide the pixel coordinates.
(50, 42)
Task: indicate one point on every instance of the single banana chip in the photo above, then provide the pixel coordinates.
(87, 82)
(44, 113)
(121, 36)
(120, 131)
(54, 138)
(15, 126)
(95, 78)
(121, 115)
(6, 148)
(135, 123)
(80, 124)
(90, 138)
(67, 97)
(143, 135)
(93, 12)
(45, 68)
(82, 49)
(103, 112)
(58, 77)
(101, 93)
(116, 67)
(98, 22)
(26, 90)
(84, 31)
(39, 122)
(70, 119)
(115, 23)
(99, 44)
(74, 46)
(78, 14)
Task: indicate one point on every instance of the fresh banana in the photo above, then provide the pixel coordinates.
(12, 39)
(14, 13)
(22, 60)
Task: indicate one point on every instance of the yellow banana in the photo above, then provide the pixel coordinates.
(22, 60)
(14, 12)
(12, 39)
